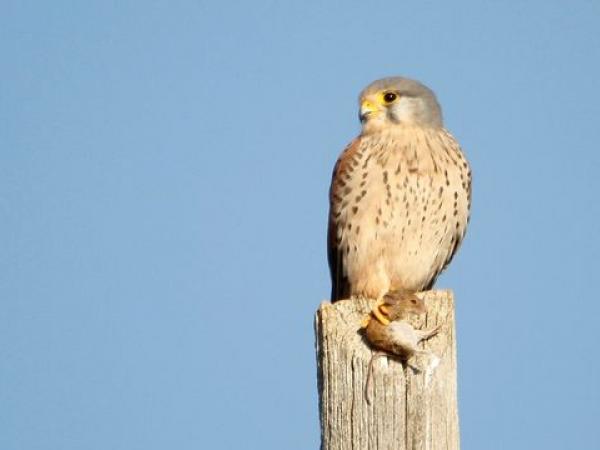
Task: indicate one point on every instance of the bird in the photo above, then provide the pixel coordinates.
(400, 195)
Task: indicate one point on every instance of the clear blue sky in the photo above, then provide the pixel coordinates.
(164, 169)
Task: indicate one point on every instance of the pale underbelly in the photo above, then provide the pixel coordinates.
(403, 242)
(396, 260)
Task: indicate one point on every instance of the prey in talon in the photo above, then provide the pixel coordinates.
(387, 329)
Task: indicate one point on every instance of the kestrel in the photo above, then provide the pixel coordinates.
(400, 195)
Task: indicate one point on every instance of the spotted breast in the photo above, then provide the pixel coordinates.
(399, 208)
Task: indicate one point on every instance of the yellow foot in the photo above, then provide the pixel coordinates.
(365, 322)
(380, 312)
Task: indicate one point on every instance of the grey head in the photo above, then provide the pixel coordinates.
(398, 100)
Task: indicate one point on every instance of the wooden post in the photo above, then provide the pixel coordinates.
(409, 409)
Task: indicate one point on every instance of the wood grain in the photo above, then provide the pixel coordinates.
(411, 407)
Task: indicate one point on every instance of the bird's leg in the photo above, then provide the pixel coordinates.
(366, 320)
(379, 312)
(395, 305)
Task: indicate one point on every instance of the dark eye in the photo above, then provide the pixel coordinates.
(414, 302)
(389, 97)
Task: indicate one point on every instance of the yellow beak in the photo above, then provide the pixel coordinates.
(367, 108)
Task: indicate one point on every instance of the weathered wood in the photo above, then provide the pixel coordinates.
(410, 409)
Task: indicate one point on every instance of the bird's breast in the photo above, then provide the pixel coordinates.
(398, 198)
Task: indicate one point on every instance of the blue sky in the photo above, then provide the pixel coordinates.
(164, 169)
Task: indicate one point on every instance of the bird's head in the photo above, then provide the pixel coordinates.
(396, 100)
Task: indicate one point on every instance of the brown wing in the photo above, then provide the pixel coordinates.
(340, 288)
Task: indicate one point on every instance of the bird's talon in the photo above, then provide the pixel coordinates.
(365, 322)
(379, 316)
